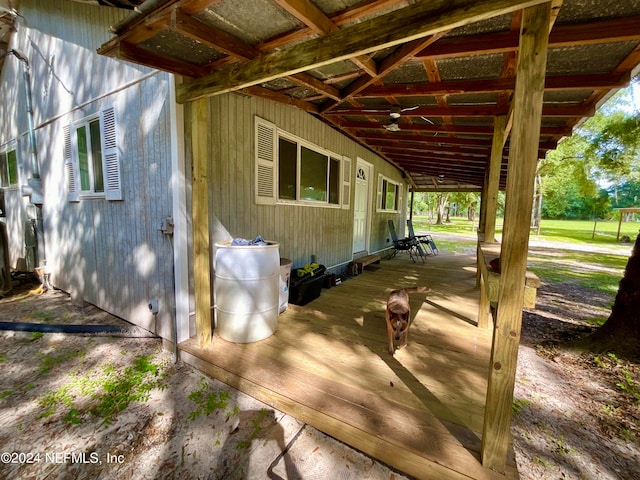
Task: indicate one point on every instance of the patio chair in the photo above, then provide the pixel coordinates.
(409, 245)
(423, 239)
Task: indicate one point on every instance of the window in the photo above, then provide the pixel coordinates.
(9, 167)
(88, 144)
(389, 195)
(92, 163)
(291, 170)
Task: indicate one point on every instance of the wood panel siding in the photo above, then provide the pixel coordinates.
(108, 253)
(303, 231)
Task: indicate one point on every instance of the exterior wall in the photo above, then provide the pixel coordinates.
(108, 253)
(301, 230)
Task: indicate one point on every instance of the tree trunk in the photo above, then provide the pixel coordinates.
(442, 199)
(621, 332)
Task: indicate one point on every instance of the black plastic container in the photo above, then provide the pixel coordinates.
(304, 289)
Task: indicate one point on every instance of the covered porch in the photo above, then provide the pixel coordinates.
(421, 410)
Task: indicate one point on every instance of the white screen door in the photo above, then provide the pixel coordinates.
(361, 207)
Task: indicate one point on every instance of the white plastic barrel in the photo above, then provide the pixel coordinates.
(247, 280)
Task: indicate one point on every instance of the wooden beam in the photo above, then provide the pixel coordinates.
(388, 64)
(212, 37)
(132, 53)
(310, 15)
(278, 97)
(493, 179)
(469, 111)
(487, 130)
(604, 31)
(523, 157)
(599, 81)
(415, 21)
(200, 219)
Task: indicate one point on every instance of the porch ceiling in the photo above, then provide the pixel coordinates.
(447, 66)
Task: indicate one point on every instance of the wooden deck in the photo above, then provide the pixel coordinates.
(420, 411)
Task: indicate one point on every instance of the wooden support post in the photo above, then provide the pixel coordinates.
(200, 219)
(523, 156)
(484, 310)
(493, 179)
(411, 205)
(619, 227)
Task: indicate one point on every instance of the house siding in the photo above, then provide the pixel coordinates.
(108, 253)
(302, 231)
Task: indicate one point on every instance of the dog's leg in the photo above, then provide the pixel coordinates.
(390, 333)
(405, 336)
(405, 339)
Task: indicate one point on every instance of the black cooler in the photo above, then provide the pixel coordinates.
(307, 287)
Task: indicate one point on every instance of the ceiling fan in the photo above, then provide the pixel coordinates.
(394, 117)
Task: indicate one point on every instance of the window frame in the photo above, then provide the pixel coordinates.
(5, 170)
(299, 195)
(383, 191)
(86, 123)
(268, 162)
(107, 148)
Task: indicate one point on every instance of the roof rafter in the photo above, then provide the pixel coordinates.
(415, 21)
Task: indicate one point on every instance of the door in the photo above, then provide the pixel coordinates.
(361, 207)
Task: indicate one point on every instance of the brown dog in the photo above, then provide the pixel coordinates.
(399, 315)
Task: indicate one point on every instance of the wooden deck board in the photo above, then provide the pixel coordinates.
(420, 410)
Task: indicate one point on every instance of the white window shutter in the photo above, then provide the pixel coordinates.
(399, 207)
(70, 167)
(265, 151)
(346, 182)
(379, 204)
(110, 155)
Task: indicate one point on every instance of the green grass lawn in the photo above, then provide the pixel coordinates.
(572, 262)
(571, 231)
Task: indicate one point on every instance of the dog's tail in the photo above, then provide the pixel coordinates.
(418, 290)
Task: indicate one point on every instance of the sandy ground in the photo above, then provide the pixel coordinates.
(575, 416)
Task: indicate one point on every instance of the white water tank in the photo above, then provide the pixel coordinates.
(247, 286)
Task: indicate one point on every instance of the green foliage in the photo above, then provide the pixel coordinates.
(110, 389)
(256, 423)
(616, 143)
(135, 383)
(36, 335)
(208, 402)
(625, 194)
(6, 393)
(41, 315)
(49, 361)
(561, 447)
(519, 404)
(605, 149)
(628, 385)
(52, 400)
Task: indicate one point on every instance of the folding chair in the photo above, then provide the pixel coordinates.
(409, 245)
(423, 239)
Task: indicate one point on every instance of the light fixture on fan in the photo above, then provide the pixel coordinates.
(394, 117)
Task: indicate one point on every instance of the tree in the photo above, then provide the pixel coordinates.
(626, 194)
(565, 180)
(442, 199)
(614, 149)
(621, 330)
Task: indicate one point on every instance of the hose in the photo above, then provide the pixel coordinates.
(112, 330)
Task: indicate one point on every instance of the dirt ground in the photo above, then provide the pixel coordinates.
(576, 414)
(109, 407)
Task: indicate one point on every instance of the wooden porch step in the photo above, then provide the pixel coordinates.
(362, 262)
